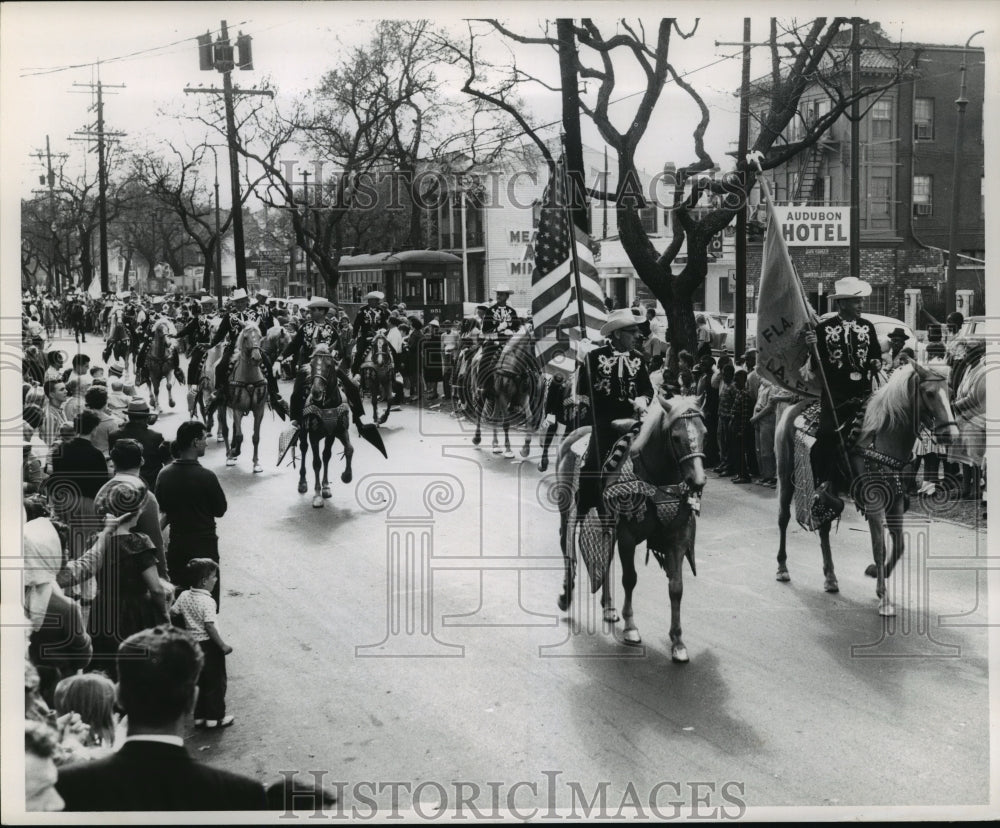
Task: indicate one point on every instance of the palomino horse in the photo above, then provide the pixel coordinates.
(118, 339)
(246, 392)
(665, 468)
(325, 415)
(914, 397)
(158, 364)
(200, 388)
(377, 373)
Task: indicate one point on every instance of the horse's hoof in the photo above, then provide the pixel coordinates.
(303, 488)
(317, 502)
(679, 654)
(542, 466)
(230, 461)
(871, 571)
(525, 451)
(497, 450)
(346, 477)
(831, 585)
(219, 439)
(564, 601)
(632, 637)
(509, 454)
(611, 615)
(327, 494)
(172, 403)
(476, 441)
(885, 608)
(257, 468)
(783, 576)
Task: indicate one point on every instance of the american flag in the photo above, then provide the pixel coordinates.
(554, 307)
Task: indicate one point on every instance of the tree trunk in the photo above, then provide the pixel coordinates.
(571, 122)
(128, 265)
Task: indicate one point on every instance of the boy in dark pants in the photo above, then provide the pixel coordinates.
(741, 434)
(197, 608)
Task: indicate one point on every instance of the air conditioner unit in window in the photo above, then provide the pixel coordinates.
(923, 132)
(922, 209)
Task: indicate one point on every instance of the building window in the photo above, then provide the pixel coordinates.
(879, 196)
(923, 119)
(647, 215)
(923, 204)
(878, 302)
(881, 120)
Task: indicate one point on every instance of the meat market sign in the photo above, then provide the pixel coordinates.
(814, 226)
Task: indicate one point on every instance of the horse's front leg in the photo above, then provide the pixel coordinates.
(477, 438)
(876, 527)
(258, 416)
(327, 451)
(170, 388)
(317, 463)
(610, 612)
(550, 433)
(508, 452)
(496, 441)
(345, 439)
(894, 522)
(626, 554)
(304, 451)
(237, 442)
(568, 546)
(679, 545)
(786, 489)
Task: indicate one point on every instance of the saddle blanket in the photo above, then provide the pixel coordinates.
(333, 419)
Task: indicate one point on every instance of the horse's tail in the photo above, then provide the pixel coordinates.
(784, 447)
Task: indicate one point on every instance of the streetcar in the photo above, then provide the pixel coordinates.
(428, 282)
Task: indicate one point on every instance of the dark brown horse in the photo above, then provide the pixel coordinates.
(326, 416)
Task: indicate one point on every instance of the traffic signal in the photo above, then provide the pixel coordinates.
(245, 55)
(205, 58)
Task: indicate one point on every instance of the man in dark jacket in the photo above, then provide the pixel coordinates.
(849, 353)
(158, 673)
(137, 428)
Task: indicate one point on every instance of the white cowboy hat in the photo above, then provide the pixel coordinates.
(264, 292)
(435, 323)
(319, 302)
(375, 294)
(239, 293)
(618, 319)
(503, 287)
(851, 287)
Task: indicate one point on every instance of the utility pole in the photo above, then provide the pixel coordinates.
(102, 168)
(305, 233)
(855, 232)
(951, 278)
(219, 56)
(55, 281)
(740, 309)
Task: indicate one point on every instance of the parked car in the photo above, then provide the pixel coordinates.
(716, 329)
(973, 327)
(751, 338)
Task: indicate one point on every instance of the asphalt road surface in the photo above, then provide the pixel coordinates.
(403, 644)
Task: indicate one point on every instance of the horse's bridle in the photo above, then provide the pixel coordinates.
(688, 415)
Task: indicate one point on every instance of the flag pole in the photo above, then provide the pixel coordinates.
(754, 158)
(581, 318)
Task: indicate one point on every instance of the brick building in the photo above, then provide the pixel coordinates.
(907, 152)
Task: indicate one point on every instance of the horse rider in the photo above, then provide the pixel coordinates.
(199, 332)
(77, 316)
(319, 329)
(261, 311)
(850, 354)
(499, 323)
(233, 319)
(369, 321)
(616, 376)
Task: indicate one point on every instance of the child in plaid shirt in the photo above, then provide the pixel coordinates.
(196, 608)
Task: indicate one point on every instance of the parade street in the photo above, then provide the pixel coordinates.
(407, 633)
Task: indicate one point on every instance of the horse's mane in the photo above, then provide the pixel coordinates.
(659, 418)
(891, 406)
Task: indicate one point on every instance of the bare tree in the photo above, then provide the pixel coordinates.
(802, 57)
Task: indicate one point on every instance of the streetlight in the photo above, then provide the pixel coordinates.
(956, 183)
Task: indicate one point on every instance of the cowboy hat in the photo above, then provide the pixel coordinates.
(503, 287)
(851, 287)
(375, 294)
(238, 294)
(137, 407)
(435, 323)
(319, 302)
(619, 319)
(264, 292)
(898, 332)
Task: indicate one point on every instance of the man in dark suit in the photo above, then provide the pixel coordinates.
(158, 673)
(137, 428)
